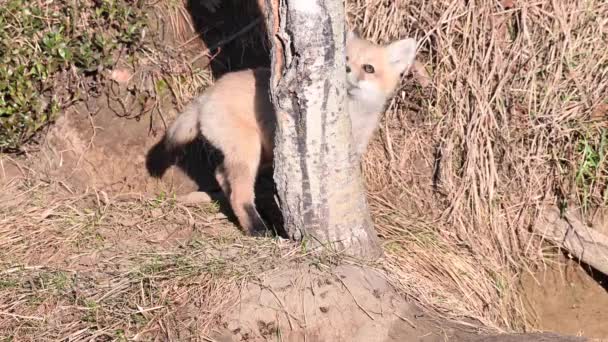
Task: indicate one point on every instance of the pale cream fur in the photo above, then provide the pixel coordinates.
(236, 116)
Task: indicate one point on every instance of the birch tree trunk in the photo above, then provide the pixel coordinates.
(317, 177)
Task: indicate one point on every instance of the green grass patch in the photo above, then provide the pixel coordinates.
(48, 47)
(591, 172)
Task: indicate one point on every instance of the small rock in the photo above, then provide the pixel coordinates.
(122, 76)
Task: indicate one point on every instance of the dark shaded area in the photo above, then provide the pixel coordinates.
(599, 277)
(198, 160)
(267, 203)
(219, 27)
(437, 155)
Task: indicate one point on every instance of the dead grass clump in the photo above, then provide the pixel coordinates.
(514, 119)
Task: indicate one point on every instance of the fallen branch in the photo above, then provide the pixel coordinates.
(583, 242)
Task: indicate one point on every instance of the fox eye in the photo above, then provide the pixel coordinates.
(368, 68)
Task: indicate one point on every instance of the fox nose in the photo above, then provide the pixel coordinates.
(347, 69)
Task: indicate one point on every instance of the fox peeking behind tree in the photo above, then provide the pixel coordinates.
(235, 115)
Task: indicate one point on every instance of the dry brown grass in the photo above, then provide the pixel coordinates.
(462, 168)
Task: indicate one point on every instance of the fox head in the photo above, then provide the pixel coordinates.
(374, 71)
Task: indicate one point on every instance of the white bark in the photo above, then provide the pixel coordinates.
(318, 180)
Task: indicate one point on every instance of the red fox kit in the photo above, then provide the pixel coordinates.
(236, 116)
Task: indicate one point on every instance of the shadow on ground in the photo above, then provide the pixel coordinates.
(234, 31)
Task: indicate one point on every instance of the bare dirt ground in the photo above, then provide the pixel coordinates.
(569, 300)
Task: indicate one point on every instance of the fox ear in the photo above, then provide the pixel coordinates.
(401, 54)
